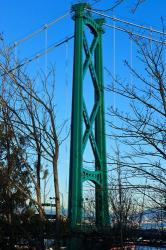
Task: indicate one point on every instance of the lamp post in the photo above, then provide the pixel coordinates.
(62, 203)
(62, 206)
(51, 198)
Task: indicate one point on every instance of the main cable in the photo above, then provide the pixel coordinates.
(126, 22)
(34, 33)
(39, 55)
(134, 34)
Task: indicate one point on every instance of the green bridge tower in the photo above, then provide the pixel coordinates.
(87, 57)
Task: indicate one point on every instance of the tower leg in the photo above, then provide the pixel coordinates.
(87, 57)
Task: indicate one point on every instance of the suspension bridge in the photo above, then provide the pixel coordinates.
(88, 120)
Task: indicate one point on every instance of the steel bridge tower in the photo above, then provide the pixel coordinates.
(87, 57)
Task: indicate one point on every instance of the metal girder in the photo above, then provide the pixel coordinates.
(89, 63)
(91, 136)
(94, 176)
(80, 116)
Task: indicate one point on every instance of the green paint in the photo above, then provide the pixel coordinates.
(78, 174)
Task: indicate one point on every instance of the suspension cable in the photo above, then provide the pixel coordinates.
(38, 55)
(128, 23)
(131, 60)
(134, 34)
(34, 33)
(114, 65)
(46, 47)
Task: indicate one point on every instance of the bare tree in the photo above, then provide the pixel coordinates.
(116, 3)
(34, 115)
(122, 202)
(141, 129)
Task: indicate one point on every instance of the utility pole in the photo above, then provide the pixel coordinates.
(87, 57)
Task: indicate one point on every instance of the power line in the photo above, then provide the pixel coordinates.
(34, 33)
(39, 55)
(135, 34)
(126, 22)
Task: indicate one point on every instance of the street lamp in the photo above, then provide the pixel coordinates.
(62, 203)
(51, 198)
(62, 207)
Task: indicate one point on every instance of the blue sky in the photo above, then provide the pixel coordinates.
(19, 18)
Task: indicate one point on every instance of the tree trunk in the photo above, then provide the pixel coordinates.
(38, 186)
(56, 182)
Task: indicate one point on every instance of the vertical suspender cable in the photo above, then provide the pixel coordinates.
(66, 90)
(67, 76)
(46, 46)
(151, 51)
(114, 64)
(15, 56)
(66, 63)
(66, 82)
(131, 60)
(67, 105)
